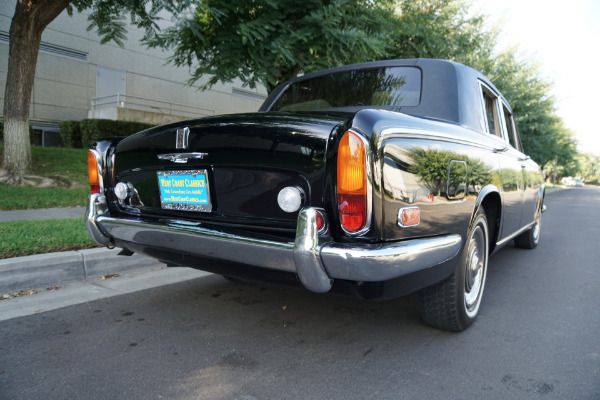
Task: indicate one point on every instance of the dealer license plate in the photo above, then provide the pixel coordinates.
(184, 190)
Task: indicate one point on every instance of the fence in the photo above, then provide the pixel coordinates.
(144, 104)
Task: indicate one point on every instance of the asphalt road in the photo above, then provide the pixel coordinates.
(537, 336)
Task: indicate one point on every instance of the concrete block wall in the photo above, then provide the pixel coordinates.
(64, 87)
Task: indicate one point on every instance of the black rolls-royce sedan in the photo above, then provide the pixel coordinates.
(373, 180)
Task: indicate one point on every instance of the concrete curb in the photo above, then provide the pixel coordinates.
(50, 269)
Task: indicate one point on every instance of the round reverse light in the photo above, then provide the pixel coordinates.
(290, 199)
(121, 190)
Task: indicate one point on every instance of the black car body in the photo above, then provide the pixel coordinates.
(375, 180)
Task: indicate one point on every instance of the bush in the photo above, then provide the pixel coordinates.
(70, 132)
(96, 129)
(84, 133)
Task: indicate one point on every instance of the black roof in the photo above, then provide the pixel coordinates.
(450, 91)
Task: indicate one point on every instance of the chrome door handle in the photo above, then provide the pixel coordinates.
(525, 158)
(500, 149)
(181, 158)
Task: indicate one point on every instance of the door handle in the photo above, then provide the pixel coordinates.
(500, 149)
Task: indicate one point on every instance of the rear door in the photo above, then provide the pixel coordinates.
(530, 170)
(511, 174)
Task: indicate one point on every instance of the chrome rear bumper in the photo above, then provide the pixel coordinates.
(315, 259)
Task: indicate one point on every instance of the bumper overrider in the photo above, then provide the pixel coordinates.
(317, 260)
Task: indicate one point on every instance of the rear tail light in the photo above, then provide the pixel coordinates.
(352, 183)
(320, 221)
(93, 171)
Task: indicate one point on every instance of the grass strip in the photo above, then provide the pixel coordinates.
(29, 197)
(23, 238)
(69, 164)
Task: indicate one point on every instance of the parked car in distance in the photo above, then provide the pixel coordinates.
(373, 180)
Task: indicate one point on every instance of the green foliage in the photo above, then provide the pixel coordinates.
(30, 197)
(589, 167)
(445, 29)
(22, 238)
(70, 132)
(432, 168)
(270, 41)
(96, 129)
(109, 17)
(543, 134)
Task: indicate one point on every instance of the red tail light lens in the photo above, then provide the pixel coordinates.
(352, 182)
(320, 221)
(93, 172)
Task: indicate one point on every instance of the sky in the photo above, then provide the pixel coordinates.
(563, 36)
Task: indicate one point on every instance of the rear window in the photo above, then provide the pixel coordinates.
(387, 87)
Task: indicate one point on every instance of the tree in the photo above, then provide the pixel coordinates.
(446, 29)
(271, 41)
(30, 19)
(543, 134)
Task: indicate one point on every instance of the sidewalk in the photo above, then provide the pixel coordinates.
(50, 269)
(44, 213)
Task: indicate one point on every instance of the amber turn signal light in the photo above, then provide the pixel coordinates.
(93, 172)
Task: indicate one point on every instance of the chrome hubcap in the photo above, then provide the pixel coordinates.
(475, 270)
(536, 229)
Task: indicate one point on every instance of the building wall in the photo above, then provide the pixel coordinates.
(65, 86)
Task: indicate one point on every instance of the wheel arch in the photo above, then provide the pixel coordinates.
(489, 199)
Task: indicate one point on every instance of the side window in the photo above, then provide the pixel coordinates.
(491, 112)
(510, 128)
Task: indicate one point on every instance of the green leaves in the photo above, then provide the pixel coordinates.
(271, 41)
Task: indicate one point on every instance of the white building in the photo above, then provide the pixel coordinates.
(77, 77)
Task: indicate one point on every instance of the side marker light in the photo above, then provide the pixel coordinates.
(409, 216)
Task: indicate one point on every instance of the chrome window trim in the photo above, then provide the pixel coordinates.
(484, 87)
(416, 133)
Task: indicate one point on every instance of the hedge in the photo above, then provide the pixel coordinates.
(70, 133)
(84, 133)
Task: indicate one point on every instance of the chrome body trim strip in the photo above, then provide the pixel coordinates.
(316, 259)
(181, 158)
(514, 235)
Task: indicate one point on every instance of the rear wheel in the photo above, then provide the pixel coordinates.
(453, 304)
(530, 238)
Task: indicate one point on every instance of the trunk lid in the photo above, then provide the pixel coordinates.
(247, 159)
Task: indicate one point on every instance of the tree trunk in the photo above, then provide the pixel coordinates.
(30, 19)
